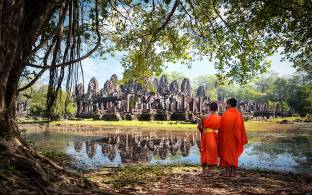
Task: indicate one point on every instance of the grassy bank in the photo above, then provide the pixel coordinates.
(251, 125)
(171, 125)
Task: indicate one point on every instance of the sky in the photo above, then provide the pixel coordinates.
(103, 69)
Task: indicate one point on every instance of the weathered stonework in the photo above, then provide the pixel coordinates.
(164, 102)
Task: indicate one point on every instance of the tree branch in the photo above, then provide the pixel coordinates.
(227, 24)
(80, 58)
(33, 81)
(164, 24)
(56, 30)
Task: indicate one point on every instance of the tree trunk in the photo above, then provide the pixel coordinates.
(21, 24)
(11, 17)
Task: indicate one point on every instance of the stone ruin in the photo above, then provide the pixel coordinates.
(22, 108)
(161, 101)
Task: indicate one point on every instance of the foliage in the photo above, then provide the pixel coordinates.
(301, 99)
(38, 102)
(174, 76)
(236, 35)
(284, 24)
(156, 33)
(290, 92)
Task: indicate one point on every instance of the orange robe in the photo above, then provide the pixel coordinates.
(232, 138)
(208, 142)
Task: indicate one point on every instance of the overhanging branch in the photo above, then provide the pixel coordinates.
(80, 58)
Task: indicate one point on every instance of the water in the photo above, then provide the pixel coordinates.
(279, 151)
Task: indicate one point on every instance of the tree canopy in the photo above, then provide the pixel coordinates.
(238, 36)
(292, 92)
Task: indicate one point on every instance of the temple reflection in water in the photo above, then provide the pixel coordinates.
(140, 147)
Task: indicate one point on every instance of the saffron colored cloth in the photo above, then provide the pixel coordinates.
(208, 142)
(232, 138)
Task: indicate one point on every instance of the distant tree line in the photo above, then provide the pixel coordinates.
(291, 92)
(37, 101)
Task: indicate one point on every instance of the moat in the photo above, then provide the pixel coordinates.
(279, 151)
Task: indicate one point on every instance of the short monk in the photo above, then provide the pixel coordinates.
(232, 138)
(208, 127)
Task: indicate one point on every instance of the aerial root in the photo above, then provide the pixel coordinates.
(26, 170)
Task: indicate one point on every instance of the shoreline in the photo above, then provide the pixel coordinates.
(187, 179)
(251, 126)
(177, 179)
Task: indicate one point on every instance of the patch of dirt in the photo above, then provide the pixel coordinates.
(25, 171)
(190, 181)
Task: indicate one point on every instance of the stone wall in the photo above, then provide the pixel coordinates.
(161, 100)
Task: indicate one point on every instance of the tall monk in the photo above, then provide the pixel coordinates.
(232, 138)
(208, 142)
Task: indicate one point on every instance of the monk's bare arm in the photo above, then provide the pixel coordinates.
(199, 125)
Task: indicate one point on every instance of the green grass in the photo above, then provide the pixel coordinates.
(286, 118)
(164, 125)
(124, 123)
(272, 124)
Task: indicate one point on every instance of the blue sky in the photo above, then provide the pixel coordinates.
(103, 69)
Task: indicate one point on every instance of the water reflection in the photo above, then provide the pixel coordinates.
(283, 151)
(78, 146)
(133, 148)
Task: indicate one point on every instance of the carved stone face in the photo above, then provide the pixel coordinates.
(163, 85)
(155, 83)
(114, 78)
(186, 87)
(93, 87)
(79, 91)
(201, 91)
(174, 87)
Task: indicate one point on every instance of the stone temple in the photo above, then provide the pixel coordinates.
(156, 100)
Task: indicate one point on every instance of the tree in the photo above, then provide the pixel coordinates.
(191, 30)
(37, 103)
(248, 93)
(174, 76)
(56, 35)
(282, 24)
(41, 32)
(301, 99)
(46, 35)
(265, 81)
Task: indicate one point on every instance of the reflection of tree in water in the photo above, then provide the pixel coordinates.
(90, 148)
(77, 146)
(299, 147)
(140, 148)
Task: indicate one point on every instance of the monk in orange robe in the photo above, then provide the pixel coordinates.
(232, 138)
(208, 142)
